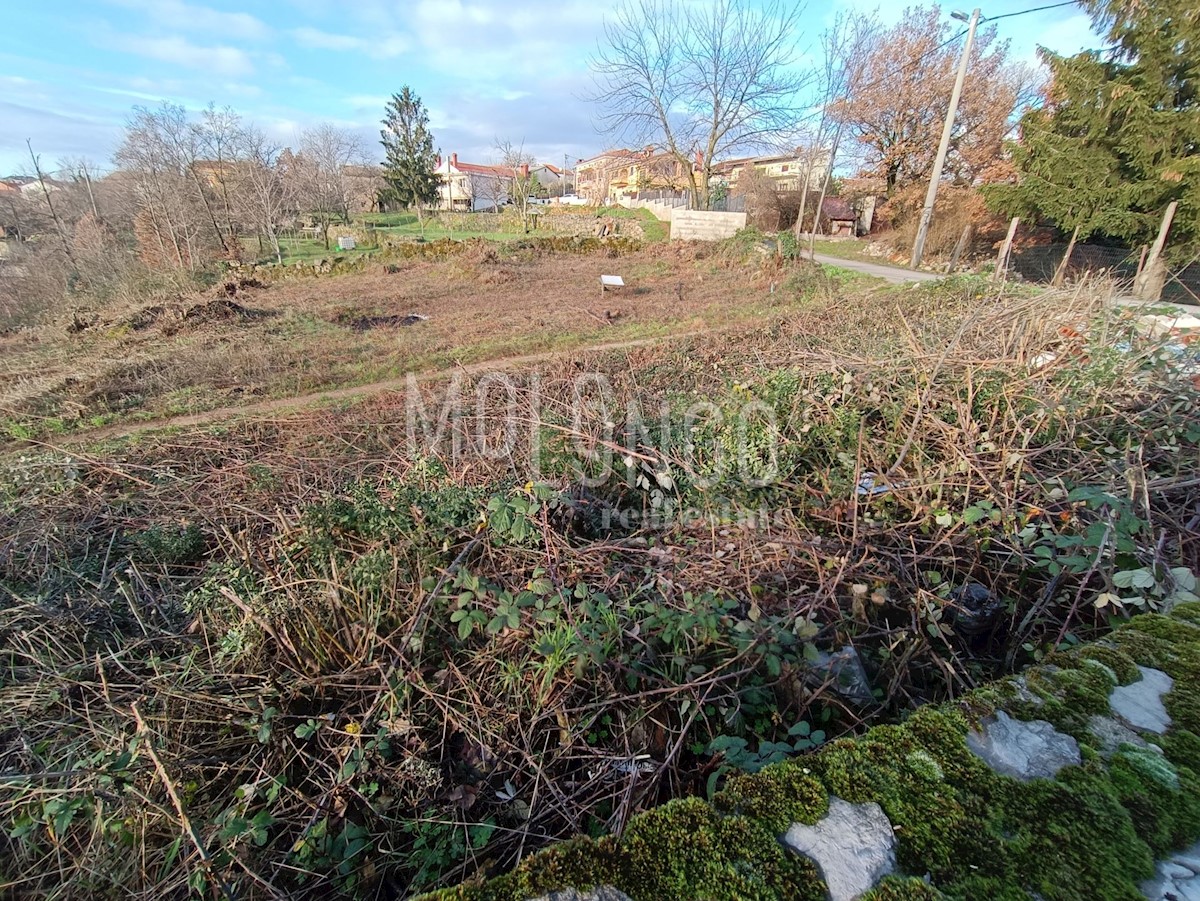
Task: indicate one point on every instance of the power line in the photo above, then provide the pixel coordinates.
(896, 73)
(920, 59)
(1025, 12)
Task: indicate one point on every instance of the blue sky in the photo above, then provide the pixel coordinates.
(70, 70)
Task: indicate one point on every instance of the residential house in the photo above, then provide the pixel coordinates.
(554, 180)
(787, 170)
(363, 186)
(623, 174)
(28, 185)
(470, 187)
(593, 176)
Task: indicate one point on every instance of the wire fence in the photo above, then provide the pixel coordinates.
(1039, 264)
(732, 203)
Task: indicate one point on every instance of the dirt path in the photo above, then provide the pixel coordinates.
(893, 274)
(275, 405)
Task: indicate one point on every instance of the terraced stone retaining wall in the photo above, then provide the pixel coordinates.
(1068, 782)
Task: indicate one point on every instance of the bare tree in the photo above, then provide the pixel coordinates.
(702, 81)
(845, 46)
(518, 183)
(80, 170)
(184, 142)
(218, 138)
(168, 217)
(327, 153)
(263, 190)
(59, 226)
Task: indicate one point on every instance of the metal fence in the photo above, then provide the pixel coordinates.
(1039, 263)
(733, 203)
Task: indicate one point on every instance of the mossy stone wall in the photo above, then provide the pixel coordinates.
(962, 831)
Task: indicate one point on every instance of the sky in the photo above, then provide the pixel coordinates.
(71, 70)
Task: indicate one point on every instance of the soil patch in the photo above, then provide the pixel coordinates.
(366, 323)
(223, 310)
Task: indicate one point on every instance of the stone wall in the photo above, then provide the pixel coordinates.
(1066, 783)
(702, 225)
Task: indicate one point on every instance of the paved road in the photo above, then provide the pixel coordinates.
(893, 274)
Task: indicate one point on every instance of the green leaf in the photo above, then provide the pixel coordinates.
(169, 860)
(974, 514)
(1184, 578)
(1144, 578)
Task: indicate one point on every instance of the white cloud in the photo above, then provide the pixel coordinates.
(385, 47)
(368, 102)
(314, 37)
(180, 16)
(220, 60)
(56, 132)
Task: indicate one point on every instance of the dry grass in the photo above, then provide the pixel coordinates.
(277, 596)
(296, 336)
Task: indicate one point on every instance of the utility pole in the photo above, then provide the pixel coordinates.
(944, 146)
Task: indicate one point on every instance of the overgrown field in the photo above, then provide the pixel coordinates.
(341, 651)
(284, 333)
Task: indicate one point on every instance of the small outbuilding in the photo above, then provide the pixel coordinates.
(839, 219)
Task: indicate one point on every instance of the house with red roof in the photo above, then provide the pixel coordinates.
(471, 187)
(554, 180)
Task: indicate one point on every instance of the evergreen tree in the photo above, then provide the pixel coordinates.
(1118, 137)
(411, 159)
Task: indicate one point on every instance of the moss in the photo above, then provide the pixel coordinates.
(778, 795)
(1188, 612)
(687, 850)
(1065, 695)
(579, 863)
(939, 825)
(1114, 660)
(1070, 839)
(1143, 648)
(1182, 747)
(1172, 629)
(1172, 645)
(925, 767)
(896, 888)
(991, 888)
(1118, 662)
(1090, 833)
(1163, 802)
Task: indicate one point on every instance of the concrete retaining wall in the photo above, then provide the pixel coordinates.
(663, 212)
(701, 225)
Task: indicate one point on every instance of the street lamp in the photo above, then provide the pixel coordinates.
(944, 146)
